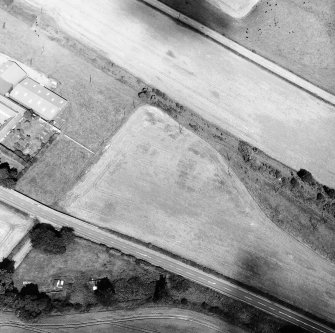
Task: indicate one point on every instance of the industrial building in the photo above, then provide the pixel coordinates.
(39, 99)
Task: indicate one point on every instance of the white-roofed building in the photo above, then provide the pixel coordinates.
(41, 100)
(6, 114)
(10, 75)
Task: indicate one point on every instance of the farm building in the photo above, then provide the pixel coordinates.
(10, 75)
(41, 100)
(6, 114)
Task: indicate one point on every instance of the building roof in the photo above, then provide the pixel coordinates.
(41, 100)
(6, 114)
(11, 72)
(5, 86)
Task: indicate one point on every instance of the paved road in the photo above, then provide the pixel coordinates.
(97, 235)
(227, 89)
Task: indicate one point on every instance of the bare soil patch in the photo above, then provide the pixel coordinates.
(158, 182)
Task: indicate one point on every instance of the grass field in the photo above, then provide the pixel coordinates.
(13, 227)
(159, 182)
(54, 172)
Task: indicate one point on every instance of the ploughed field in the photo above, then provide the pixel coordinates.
(158, 182)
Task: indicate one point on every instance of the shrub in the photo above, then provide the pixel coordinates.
(179, 283)
(8, 176)
(67, 233)
(306, 176)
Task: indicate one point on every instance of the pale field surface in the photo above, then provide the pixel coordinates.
(234, 8)
(13, 227)
(284, 121)
(164, 185)
(160, 319)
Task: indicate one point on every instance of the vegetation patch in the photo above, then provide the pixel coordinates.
(8, 175)
(46, 238)
(29, 135)
(124, 284)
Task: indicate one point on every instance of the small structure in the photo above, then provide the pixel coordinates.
(26, 282)
(58, 284)
(41, 100)
(93, 283)
(10, 75)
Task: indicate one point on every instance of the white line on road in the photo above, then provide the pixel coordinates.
(211, 282)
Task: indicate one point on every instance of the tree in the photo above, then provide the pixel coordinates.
(8, 175)
(46, 238)
(31, 303)
(161, 291)
(6, 276)
(105, 292)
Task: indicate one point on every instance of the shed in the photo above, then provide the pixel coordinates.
(41, 100)
(10, 75)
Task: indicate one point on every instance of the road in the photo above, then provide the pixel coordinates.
(97, 235)
(286, 122)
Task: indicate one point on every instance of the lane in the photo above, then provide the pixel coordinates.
(286, 122)
(98, 235)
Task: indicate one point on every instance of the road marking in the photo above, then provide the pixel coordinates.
(261, 303)
(211, 282)
(142, 254)
(273, 309)
(247, 297)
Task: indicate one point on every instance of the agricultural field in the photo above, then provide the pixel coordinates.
(13, 227)
(166, 320)
(295, 34)
(160, 183)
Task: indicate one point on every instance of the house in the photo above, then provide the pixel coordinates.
(39, 99)
(10, 75)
